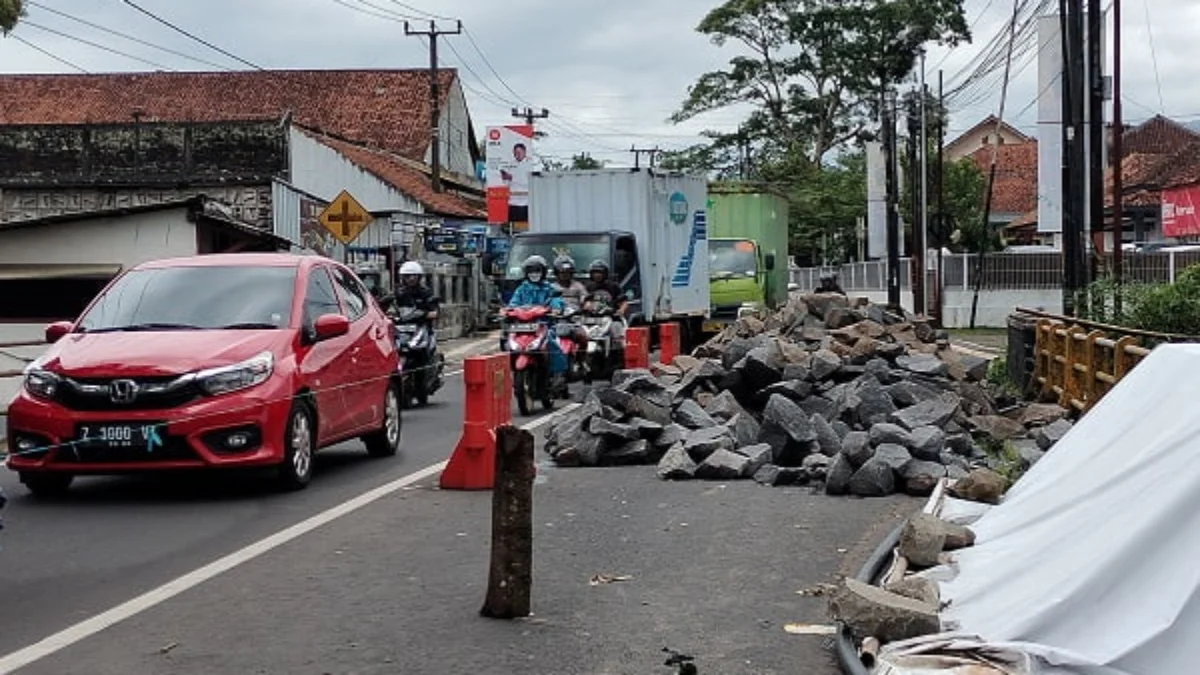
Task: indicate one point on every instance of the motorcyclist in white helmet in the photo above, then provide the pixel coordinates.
(414, 293)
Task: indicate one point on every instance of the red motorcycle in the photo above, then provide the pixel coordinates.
(527, 333)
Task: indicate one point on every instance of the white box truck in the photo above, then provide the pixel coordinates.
(650, 226)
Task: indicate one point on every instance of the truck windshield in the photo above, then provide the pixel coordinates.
(736, 258)
(583, 250)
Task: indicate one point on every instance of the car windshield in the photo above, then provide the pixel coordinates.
(583, 250)
(735, 258)
(195, 298)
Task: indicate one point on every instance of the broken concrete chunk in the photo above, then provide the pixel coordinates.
(869, 611)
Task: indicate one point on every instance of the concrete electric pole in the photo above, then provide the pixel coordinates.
(435, 96)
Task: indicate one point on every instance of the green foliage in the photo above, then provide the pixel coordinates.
(11, 11)
(813, 72)
(1161, 308)
(1004, 459)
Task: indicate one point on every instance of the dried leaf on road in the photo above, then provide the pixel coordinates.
(810, 629)
(818, 590)
(600, 579)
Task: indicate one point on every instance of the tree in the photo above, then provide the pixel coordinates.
(11, 11)
(578, 162)
(814, 72)
(585, 161)
(815, 68)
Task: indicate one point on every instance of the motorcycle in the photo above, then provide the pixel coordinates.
(422, 366)
(569, 328)
(604, 355)
(526, 338)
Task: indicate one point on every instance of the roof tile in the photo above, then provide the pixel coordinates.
(1015, 188)
(405, 178)
(388, 109)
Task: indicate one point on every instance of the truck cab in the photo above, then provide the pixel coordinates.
(739, 274)
(616, 248)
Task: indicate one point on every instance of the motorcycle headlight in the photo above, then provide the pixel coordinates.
(249, 373)
(41, 383)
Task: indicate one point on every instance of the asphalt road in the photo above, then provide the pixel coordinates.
(396, 586)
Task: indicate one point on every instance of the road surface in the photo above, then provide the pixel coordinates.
(395, 586)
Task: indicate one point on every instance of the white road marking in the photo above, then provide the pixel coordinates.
(89, 627)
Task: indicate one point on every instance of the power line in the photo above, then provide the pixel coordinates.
(94, 44)
(420, 11)
(125, 36)
(183, 32)
(1154, 56)
(47, 52)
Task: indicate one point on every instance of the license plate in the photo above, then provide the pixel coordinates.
(523, 328)
(146, 436)
(713, 326)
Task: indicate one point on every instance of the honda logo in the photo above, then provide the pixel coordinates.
(122, 391)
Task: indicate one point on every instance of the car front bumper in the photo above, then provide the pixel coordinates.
(41, 435)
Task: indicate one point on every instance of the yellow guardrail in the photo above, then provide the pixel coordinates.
(1076, 365)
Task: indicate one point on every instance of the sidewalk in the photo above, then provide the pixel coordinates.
(714, 571)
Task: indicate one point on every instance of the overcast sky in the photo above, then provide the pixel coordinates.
(610, 72)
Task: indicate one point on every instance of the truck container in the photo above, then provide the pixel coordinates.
(650, 226)
(748, 251)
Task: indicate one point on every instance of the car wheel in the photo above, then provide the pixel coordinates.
(385, 442)
(300, 443)
(47, 485)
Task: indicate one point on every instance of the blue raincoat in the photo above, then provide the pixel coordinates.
(541, 294)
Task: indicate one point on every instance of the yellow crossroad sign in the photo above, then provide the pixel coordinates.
(345, 218)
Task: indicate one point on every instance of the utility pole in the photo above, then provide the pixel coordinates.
(1075, 192)
(893, 217)
(435, 95)
(921, 299)
(638, 152)
(529, 115)
(1095, 24)
(940, 187)
(914, 199)
(1118, 197)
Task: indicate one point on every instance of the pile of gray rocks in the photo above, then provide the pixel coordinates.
(824, 390)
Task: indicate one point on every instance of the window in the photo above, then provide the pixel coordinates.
(319, 297)
(195, 298)
(352, 294)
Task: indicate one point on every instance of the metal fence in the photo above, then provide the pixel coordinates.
(1001, 271)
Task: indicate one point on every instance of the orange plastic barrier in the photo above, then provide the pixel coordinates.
(668, 342)
(637, 347)
(488, 405)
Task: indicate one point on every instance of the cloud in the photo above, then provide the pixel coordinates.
(610, 72)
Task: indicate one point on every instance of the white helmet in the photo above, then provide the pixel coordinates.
(412, 267)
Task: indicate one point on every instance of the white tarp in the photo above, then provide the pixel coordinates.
(1093, 559)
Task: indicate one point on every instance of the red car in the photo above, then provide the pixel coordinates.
(214, 361)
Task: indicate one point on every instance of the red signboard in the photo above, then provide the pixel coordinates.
(509, 164)
(1179, 216)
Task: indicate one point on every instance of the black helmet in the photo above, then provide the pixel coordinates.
(564, 264)
(598, 266)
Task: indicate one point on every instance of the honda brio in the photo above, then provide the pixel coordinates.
(216, 361)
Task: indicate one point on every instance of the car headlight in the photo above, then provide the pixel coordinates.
(249, 373)
(41, 383)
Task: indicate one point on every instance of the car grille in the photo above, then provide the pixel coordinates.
(173, 449)
(154, 393)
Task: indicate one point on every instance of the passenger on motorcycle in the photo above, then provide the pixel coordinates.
(537, 291)
(606, 293)
(414, 293)
(571, 290)
(601, 290)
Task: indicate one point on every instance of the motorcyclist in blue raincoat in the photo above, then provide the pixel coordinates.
(536, 290)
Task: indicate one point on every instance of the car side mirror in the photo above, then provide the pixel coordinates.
(329, 326)
(769, 261)
(56, 331)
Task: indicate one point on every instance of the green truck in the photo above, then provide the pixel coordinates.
(747, 251)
